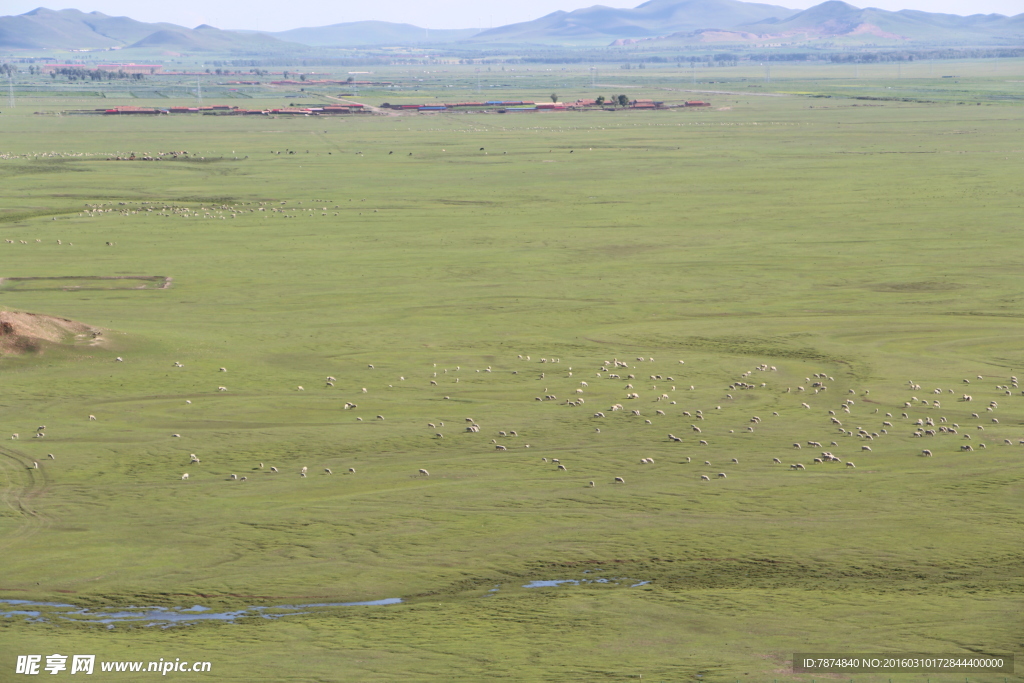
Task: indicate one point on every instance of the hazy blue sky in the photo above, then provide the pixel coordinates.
(278, 16)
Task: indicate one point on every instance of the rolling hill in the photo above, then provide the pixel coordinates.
(70, 29)
(837, 19)
(653, 18)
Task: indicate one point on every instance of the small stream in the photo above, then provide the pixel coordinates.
(42, 612)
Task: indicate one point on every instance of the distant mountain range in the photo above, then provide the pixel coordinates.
(653, 18)
(373, 33)
(664, 22)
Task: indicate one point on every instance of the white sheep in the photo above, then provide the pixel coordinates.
(425, 473)
(184, 476)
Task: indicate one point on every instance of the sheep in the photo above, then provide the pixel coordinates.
(796, 445)
(304, 469)
(499, 447)
(243, 479)
(233, 476)
(721, 475)
(705, 477)
(273, 469)
(592, 484)
(865, 448)
(222, 388)
(966, 447)
(850, 464)
(352, 470)
(702, 442)
(735, 461)
(184, 476)
(926, 453)
(223, 370)
(50, 456)
(176, 436)
(300, 389)
(776, 461)
(92, 418)
(327, 470)
(193, 458)
(619, 480)
(424, 473)
(380, 417)
(708, 463)
(35, 465)
(562, 467)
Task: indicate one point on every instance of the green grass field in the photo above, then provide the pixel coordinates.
(876, 244)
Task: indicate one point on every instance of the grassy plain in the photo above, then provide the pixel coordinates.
(876, 242)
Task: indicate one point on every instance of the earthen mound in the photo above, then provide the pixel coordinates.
(30, 332)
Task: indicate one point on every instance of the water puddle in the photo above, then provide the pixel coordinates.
(160, 616)
(550, 583)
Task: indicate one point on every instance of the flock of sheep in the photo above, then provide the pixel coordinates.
(654, 394)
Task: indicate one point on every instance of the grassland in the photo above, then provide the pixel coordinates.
(875, 244)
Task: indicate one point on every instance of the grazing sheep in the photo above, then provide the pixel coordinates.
(499, 447)
(222, 388)
(92, 417)
(424, 473)
(721, 475)
(850, 464)
(352, 470)
(193, 458)
(703, 442)
(50, 456)
(380, 417)
(233, 476)
(865, 448)
(966, 447)
(736, 461)
(619, 480)
(223, 370)
(176, 436)
(243, 479)
(776, 461)
(592, 484)
(796, 445)
(304, 469)
(561, 467)
(184, 476)
(273, 469)
(705, 477)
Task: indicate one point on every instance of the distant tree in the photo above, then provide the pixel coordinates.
(350, 79)
(554, 97)
(623, 100)
(600, 100)
(285, 74)
(302, 77)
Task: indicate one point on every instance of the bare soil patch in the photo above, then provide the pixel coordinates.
(31, 332)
